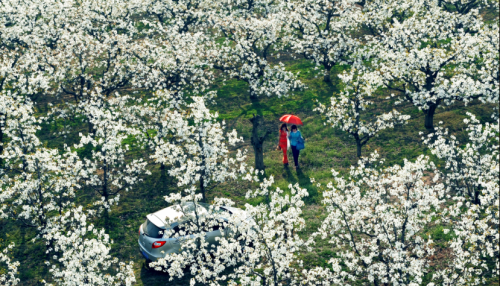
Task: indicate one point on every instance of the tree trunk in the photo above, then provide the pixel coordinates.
(257, 143)
(202, 188)
(259, 156)
(477, 201)
(107, 224)
(253, 97)
(105, 194)
(326, 77)
(91, 128)
(358, 148)
(203, 170)
(163, 178)
(429, 117)
(356, 134)
(2, 124)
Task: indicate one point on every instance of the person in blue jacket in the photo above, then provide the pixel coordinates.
(294, 136)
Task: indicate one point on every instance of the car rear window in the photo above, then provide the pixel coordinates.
(151, 230)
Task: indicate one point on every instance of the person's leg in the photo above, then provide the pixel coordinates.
(285, 155)
(297, 156)
(295, 153)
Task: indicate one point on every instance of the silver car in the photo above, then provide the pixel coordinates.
(158, 236)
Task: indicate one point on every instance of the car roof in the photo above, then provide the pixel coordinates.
(233, 209)
(158, 218)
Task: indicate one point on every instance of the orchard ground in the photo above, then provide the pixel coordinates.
(326, 149)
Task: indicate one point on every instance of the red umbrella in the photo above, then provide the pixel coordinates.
(291, 119)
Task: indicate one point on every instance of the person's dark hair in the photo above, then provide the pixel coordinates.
(283, 125)
(294, 127)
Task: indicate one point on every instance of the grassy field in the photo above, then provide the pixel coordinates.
(326, 149)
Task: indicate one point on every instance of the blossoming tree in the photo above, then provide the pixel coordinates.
(435, 56)
(205, 157)
(9, 278)
(346, 111)
(324, 31)
(259, 245)
(471, 175)
(81, 254)
(43, 187)
(188, 141)
(22, 32)
(377, 220)
(113, 174)
(18, 127)
(253, 34)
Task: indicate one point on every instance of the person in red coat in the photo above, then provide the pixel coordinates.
(284, 143)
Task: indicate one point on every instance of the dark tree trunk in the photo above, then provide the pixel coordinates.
(258, 142)
(259, 156)
(429, 117)
(477, 201)
(253, 96)
(107, 224)
(358, 148)
(202, 189)
(91, 127)
(163, 178)
(105, 194)
(203, 171)
(356, 134)
(3, 118)
(326, 77)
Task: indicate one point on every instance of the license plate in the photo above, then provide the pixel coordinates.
(144, 254)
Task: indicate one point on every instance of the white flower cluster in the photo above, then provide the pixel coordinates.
(433, 54)
(205, 155)
(472, 182)
(39, 187)
(9, 279)
(189, 140)
(113, 174)
(377, 219)
(165, 55)
(46, 182)
(323, 31)
(252, 32)
(259, 245)
(17, 123)
(346, 111)
(82, 254)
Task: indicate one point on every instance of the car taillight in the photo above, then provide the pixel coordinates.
(140, 229)
(157, 244)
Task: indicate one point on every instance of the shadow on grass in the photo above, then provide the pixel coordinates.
(289, 175)
(152, 277)
(305, 182)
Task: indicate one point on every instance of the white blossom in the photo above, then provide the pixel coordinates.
(323, 31)
(377, 220)
(433, 54)
(471, 174)
(113, 174)
(82, 254)
(9, 278)
(259, 247)
(346, 110)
